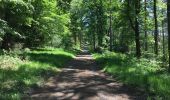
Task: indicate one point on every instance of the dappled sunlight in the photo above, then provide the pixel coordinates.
(83, 82)
(87, 73)
(142, 74)
(84, 57)
(18, 79)
(122, 48)
(53, 59)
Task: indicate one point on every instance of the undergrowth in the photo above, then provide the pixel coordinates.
(146, 74)
(21, 72)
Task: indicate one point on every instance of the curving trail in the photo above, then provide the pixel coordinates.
(81, 79)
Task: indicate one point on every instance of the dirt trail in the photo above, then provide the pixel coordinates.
(81, 79)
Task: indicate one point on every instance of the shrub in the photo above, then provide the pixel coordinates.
(143, 73)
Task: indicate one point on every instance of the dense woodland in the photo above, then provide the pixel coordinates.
(130, 33)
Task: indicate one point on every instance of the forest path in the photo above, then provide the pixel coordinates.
(81, 79)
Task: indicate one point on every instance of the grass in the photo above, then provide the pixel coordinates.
(17, 76)
(144, 74)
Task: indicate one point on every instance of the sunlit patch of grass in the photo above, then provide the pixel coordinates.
(145, 74)
(52, 57)
(5, 59)
(17, 76)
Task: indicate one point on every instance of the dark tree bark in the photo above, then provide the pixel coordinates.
(156, 27)
(168, 16)
(137, 33)
(75, 39)
(135, 26)
(111, 33)
(163, 41)
(163, 38)
(94, 41)
(80, 39)
(100, 23)
(137, 38)
(146, 35)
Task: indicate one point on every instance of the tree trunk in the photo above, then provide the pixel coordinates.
(137, 38)
(156, 28)
(135, 26)
(146, 35)
(111, 33)
(94, 41)
(163, 41)
(75, 38)
(80, 40)
(163, 38)
(168, 16)
(137, 33)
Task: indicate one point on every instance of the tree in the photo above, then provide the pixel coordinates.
(156, 27)
(145, 31)
(168, 16)
(33, 23)
(16, 14)
(110, 28)
(135, 26)
(163, 37)
(63, 6)
(101, 22)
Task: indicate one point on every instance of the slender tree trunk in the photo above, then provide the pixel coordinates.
(137, 33)
(156, 27)
(80, 39)
(75, 38)
(163, 41)
(94, 41)
(137, 38)
(111, 33)
(100, 23)
(168, 16)
(146, 35)
(163, 38)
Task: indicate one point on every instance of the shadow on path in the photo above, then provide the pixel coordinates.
(82, 79)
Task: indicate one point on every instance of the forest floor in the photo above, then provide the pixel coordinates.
(82, 79)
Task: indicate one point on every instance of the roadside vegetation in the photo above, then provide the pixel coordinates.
(21, 72)
(146, 74)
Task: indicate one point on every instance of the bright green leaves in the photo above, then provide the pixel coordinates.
(3, 28)
(38, 21)
(88, 19)
(18, 9)
(14, 14)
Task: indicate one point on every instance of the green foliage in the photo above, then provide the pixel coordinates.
(3, 27)
(32, 22)
(145, 74)
(88, 22)
(19, 76)
(63, 5)
(77, 24)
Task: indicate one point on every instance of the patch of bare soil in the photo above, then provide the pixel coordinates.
(81, 79)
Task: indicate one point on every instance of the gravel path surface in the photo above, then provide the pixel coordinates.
(81, 79)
